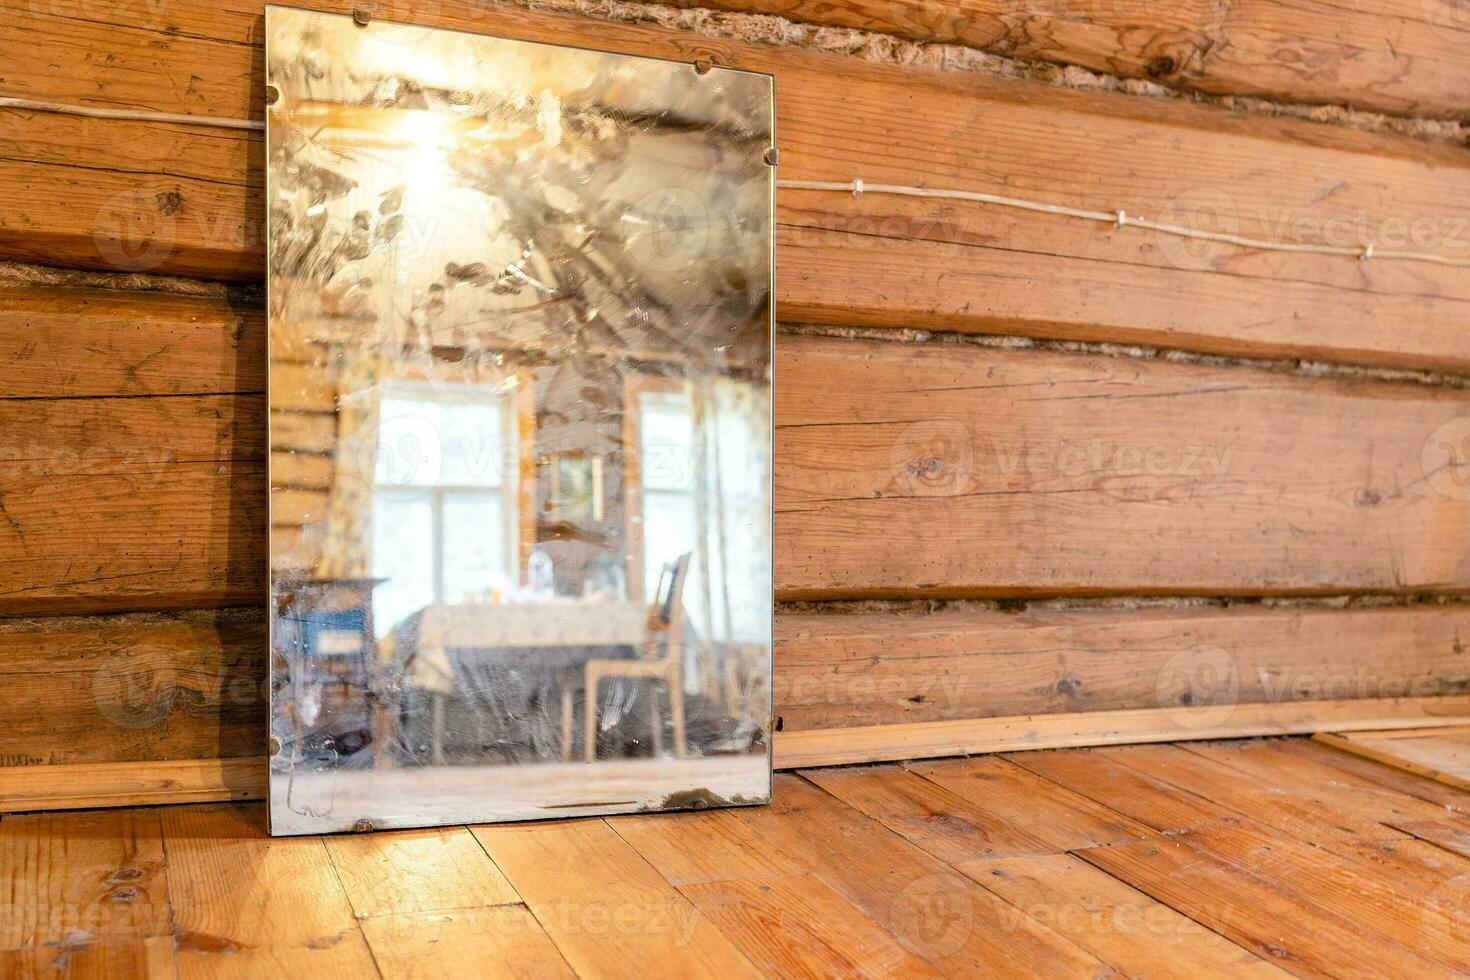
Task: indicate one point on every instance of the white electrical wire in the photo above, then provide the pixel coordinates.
(1120, 219)
(857, 188)
(136, 115)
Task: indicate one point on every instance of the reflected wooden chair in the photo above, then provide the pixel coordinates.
(662, 660)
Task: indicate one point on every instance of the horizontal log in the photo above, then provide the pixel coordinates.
(144, 686)
(1294, 52)
(203, 780)
(132, 461)
(953, 470)
(192, 684)
(1003, 472)
(80, 342)
(301, 472)
(303, 432)
(189, 198)
(294, 508)
(934, 739)
(850, 670)
(190, 535)
(301, 388)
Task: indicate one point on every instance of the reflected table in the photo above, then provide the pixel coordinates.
(505, 657)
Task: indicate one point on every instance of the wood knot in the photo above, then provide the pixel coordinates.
(1368, 498)
(1162, 67)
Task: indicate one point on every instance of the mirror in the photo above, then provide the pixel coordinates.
(520, 429)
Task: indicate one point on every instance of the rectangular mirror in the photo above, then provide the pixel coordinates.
(520, 429)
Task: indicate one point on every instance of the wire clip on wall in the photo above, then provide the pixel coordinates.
(1120, 219)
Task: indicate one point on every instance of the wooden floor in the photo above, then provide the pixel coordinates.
(1259, 858)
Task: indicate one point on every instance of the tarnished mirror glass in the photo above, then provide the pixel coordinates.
(520, 430)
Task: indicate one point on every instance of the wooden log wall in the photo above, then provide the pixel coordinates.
(1038, 480)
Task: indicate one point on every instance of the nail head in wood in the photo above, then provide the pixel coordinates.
(361, 17)
(772, 157)
(703, 65)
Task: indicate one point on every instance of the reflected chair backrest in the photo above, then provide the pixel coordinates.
(669, 602)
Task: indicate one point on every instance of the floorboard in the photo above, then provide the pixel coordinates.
(605, 907)
(930, 816)
(502, 941)
(1114, 921)
(800, 926)
(434, 870)
(1449, 798)
(1261, 858)
(1256, 912)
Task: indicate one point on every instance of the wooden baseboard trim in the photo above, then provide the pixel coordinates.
(1387, 758)
(71, 787)
(889, 743)
(105, 784)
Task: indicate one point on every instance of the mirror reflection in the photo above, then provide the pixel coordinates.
(520, 320)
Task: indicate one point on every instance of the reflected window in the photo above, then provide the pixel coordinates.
(444, 523)
(668, 471)
(704, 465)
